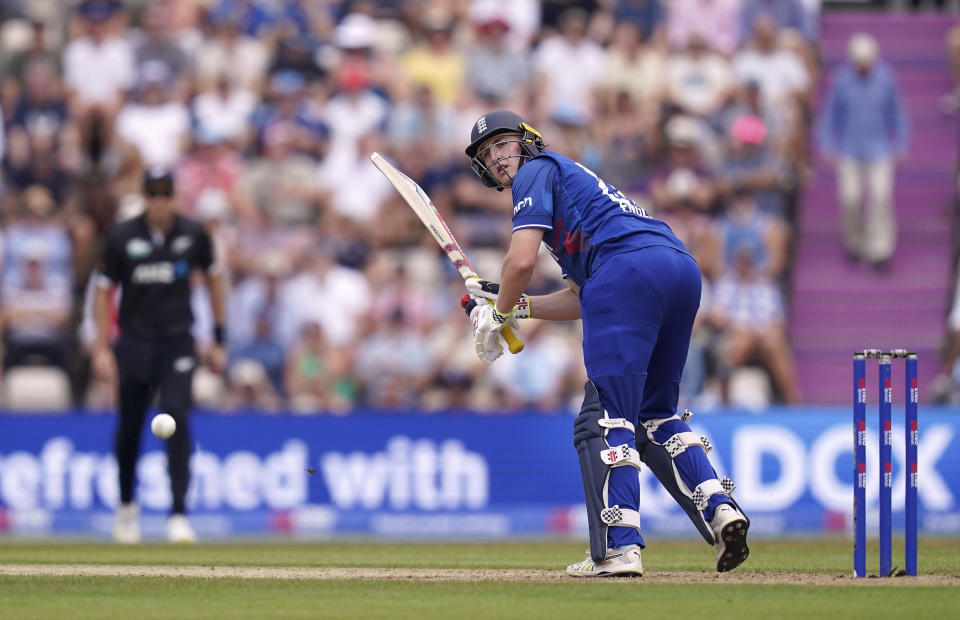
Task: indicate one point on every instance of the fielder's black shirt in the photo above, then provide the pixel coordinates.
(154, 274)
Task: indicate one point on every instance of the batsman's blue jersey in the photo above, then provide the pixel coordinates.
(586, 219)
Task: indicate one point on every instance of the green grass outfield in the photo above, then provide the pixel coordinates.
(424, 581)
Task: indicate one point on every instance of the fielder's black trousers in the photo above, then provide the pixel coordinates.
(149, 368)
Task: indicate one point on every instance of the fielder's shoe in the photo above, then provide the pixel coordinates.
(179, 530)
(618, 563)
(730, 531)
(126, 524)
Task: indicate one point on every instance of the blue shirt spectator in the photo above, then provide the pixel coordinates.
(647, 14)
(250, 15)
(785, 13)
(864, 116)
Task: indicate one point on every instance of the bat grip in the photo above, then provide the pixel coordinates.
(514, 343)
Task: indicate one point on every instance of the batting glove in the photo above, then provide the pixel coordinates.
(489, 290)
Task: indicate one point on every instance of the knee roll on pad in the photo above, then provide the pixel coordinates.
(659, 457)
(597, 458)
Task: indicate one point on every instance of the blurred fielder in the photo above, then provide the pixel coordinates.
(151, 257)
(637, 290)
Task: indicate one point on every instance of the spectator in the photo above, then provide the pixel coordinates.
(634, 69)
(716, 21)
(225, 111)
(543, 378)
(753, 167)
(214, 166)
(317, 376)
(864, 129)
(437, 64)
(699, 81)
(243, 58)
(781, 123)
(682, 180)
(745, 227)
(521, 16)
(41, 104)
(249, 388)
(340, 176)
(252, 17)
(263, 350)
(782, 77)
(355, 110)
(36, 225)
(158, 126)
(254, 297)
(283, 182)
(423, 122)
(336, 296)
(393, 364)
(625, 138)
(647, 15)
(36, 159)
(158, 46)
(289, 108)
(99, 65)
(36, 311)
(569, 66)
(40, 50)
(749, 308)
(496, 73)
(784, 13)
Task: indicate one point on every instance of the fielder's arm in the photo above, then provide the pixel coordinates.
(216, 281)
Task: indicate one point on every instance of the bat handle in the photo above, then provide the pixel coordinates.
(514, 343)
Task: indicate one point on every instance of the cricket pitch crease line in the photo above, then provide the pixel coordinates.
(452, 574)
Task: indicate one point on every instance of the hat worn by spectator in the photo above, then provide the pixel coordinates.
(682, 131)
(748, 129)
(355, 32)
(492, 25)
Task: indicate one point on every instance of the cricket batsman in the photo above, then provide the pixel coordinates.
(637, 290)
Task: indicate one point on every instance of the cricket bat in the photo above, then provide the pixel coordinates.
(421, 204)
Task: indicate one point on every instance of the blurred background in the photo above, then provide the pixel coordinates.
(353, 401)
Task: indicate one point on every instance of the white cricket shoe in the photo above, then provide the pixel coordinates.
(179, 530)
(730, 532)
(622, 563)
(126, 524)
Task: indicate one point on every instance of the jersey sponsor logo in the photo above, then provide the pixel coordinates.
(482, 124)
(154, 273)
(139, 248)
(181, 244)
(626, 205)
(526, 202)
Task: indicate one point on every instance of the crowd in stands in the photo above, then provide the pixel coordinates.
(267, 110)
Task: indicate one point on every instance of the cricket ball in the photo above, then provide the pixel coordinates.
(163, 425)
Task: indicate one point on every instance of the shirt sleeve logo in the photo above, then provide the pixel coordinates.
(526, 202)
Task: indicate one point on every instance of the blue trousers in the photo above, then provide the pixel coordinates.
(638, 310)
